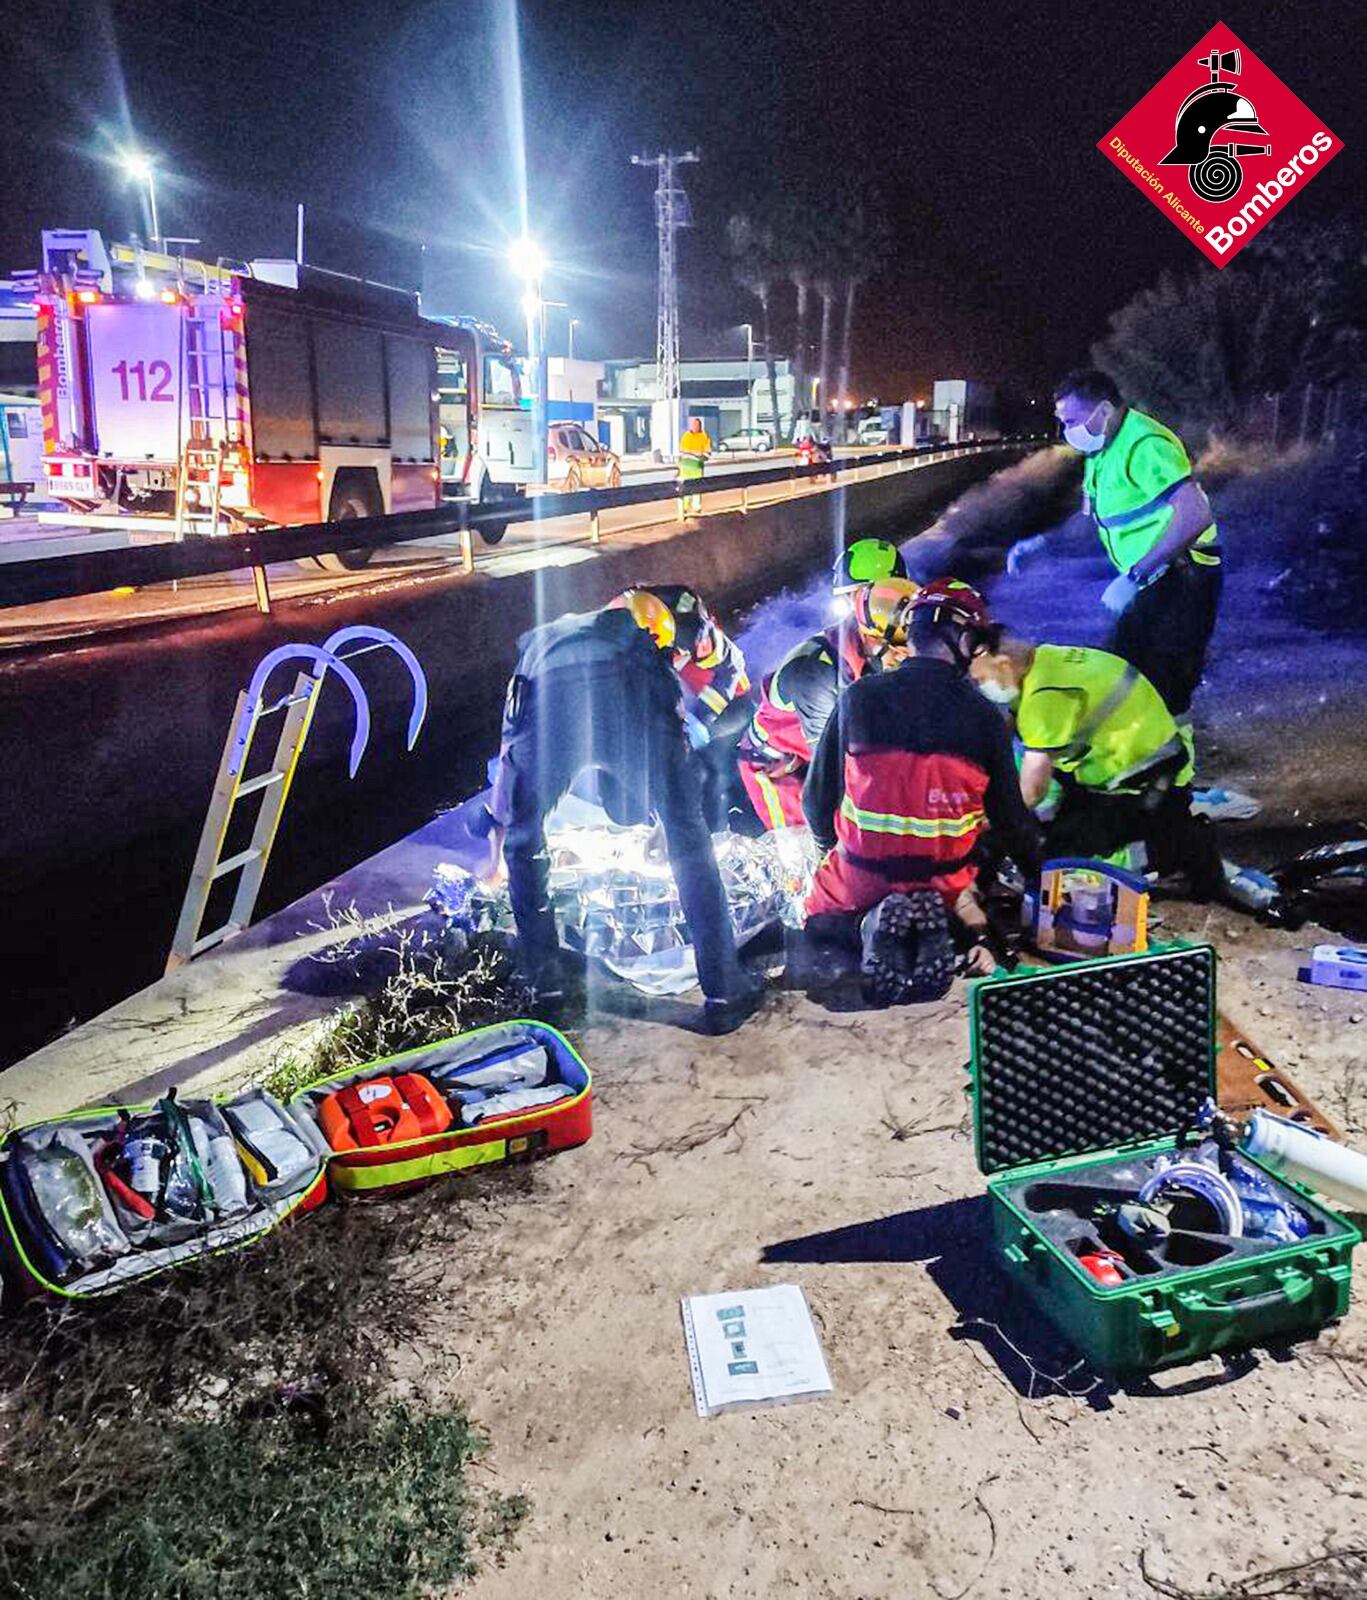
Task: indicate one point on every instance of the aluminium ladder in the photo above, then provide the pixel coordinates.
(273, 784)
(212, 409)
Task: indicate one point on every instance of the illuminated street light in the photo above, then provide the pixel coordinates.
(527, 260)
(141, 169)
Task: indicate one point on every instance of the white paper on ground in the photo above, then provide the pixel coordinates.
(753, 1347)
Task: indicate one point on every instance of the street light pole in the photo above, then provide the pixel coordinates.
(142, 169)
(536, 359)
(574, 323)
(152, 204)
(749, 376)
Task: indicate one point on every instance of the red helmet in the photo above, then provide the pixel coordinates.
(948, 600)
(953, 601)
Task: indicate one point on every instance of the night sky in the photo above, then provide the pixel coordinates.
(397, 125)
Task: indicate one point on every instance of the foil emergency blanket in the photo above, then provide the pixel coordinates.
(615, 900)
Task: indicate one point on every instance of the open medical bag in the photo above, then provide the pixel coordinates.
(1086, 1081)
(98, 1199)
(103, 1198)
(506, 1093)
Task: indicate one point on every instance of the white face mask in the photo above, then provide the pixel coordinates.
(1000, 694)
(1081, 437)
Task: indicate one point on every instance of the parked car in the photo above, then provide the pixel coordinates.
(873, 430)
(576, 460)
(757, 439)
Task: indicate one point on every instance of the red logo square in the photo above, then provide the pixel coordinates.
(1198, 148)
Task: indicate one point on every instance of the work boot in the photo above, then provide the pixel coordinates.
(908, 954)
(725, 1014)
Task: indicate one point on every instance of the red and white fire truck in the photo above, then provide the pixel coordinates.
(240, 395)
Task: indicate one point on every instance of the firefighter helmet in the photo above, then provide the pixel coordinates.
(881, 609)
(957, 604)
(676, 618)
(650, 614)
(865, 561)
(954, 601)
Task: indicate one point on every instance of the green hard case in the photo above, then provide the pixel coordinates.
(1081, 1076)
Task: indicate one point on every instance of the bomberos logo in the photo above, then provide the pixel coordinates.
(1221, 144)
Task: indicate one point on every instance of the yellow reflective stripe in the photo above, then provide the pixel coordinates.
(1203, 558)
(772, 803)
(712, 700)
(358, 1179)
(911, 827)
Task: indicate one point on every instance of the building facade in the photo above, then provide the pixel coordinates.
(729, 395)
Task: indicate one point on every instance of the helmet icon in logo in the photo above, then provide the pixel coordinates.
(1215, 108)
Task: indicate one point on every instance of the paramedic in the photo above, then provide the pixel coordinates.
(1158, 531)
(1126, 773)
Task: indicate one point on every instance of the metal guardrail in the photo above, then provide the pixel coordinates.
(94, 572)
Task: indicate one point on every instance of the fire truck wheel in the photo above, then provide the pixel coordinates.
(350, 501)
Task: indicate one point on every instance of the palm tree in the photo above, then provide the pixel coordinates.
(756, 264)
(798, 249)
(826, 271)
(864, 250)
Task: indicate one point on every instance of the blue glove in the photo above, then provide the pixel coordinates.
(1119, 593)
(1021, 551)
(698, 736)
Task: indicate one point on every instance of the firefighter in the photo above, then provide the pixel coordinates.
(1158, 531)
(710, 664)
(797, 698)
(711, 668)
(1126, 773)
(911, 770)
(695, 446)
(598, 691)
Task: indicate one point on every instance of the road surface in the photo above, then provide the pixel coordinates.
(557, 541)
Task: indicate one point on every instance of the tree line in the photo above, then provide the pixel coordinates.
(823, 255)
(1274, 345)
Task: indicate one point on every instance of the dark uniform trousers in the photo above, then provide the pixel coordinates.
(622, 723)
(1165, 630)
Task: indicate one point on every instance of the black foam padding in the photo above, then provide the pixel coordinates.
(1061, 1207)
(1093, 1055)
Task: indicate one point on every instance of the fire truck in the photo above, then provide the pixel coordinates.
(243, 395)
(487, 451)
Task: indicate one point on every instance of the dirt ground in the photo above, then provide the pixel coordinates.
(963, 1450)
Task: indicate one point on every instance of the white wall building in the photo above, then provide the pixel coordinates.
(728, 395)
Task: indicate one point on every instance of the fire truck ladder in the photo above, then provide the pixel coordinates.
(274, 784)
(212, 422)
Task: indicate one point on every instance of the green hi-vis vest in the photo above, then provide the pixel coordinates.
(1129, 488)
(1097, 717)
